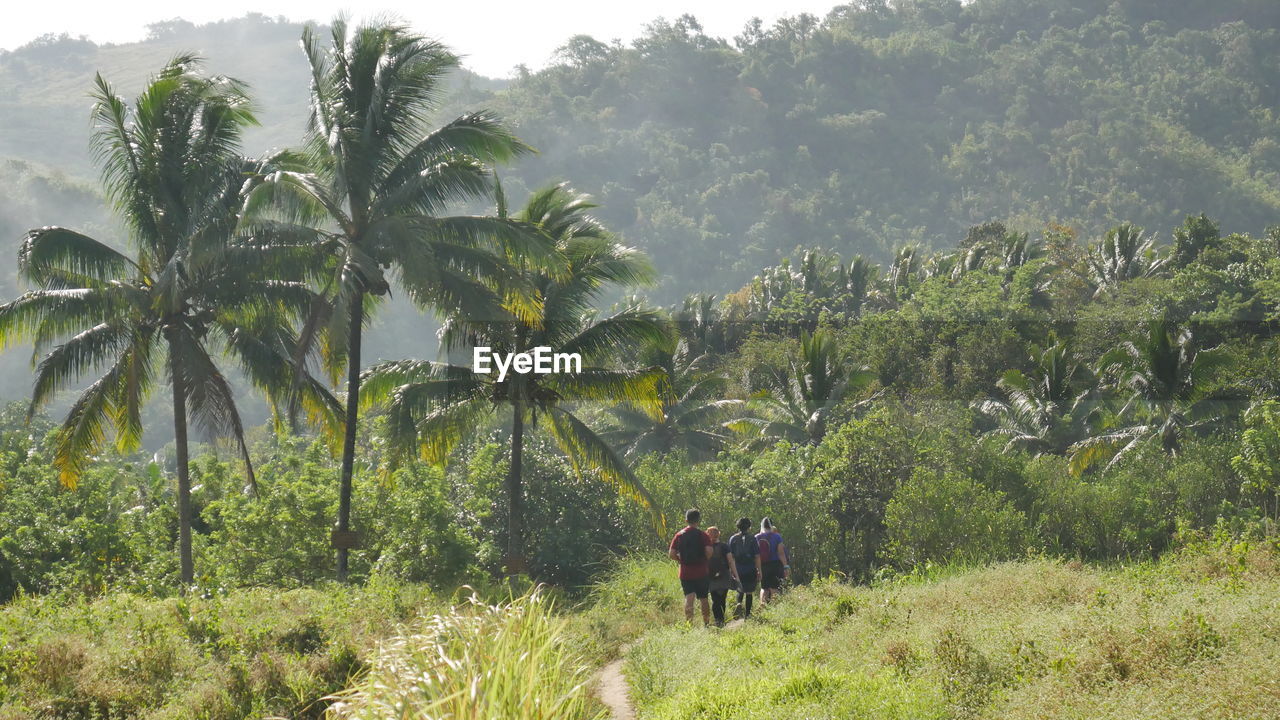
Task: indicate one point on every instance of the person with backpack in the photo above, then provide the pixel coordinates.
(746, 557)
(692, 549)
(723, 574)
(775, 565)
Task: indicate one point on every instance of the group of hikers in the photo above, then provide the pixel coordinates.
(709, 567)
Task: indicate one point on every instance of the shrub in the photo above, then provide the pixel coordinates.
(947, 517)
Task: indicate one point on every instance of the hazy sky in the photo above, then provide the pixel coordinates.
(495, 36)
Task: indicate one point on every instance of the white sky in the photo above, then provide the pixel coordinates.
(495, 36)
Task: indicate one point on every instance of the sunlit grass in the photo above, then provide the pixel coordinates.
(513, 660)
(1195, 635)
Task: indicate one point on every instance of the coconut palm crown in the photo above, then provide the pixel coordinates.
(432, 406)
(187, 291)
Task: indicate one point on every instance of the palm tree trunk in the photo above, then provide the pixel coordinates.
(187, 566)
(349, 431)
(515, 496)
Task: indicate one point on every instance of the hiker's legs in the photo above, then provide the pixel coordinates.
(746, 594)
(696, 589)
(770, 579)
(717, 604)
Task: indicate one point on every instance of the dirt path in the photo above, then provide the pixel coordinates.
(612, 688)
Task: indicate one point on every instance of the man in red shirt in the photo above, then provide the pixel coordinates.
(692, 549)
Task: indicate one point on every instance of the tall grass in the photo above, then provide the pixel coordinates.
(1192, 636)
(244, 654)
(638, 594)
(512, 660)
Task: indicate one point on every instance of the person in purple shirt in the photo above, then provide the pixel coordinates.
(775, 564)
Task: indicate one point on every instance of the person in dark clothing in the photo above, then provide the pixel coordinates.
(692, 548)
(746, 557)
(723, 574)
(775, 562)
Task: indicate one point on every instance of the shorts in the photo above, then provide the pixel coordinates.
(771, 575)
(699, 587)
(748, 584)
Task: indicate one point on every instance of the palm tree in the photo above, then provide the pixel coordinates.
(700, 322)
(905, 269)
(796, 405)
(432, 406)
(693, 407)
(1166, 377)
(1123, 254)
(1047, 412)
(171, 167)
(1196, 235)
(1018, 249)
(856, 284)
(370, 190)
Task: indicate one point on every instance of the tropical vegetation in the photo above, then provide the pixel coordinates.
(952, 331)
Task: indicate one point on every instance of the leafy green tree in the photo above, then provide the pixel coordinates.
(1165, 381)
(370, 191)
(947, 517)
(190, 289)
(693, 407)
(1259, 459)
(433, 406)
(795, 405)
(1047, 412)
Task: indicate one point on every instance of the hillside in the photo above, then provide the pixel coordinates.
(881, 125)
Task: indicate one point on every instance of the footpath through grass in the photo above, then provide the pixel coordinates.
(531, 658)
(270, 653)
(1194, 636)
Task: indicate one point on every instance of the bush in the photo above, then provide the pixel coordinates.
(947, 517)
(1129, 511)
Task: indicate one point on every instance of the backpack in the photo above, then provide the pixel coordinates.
(691, 547)
(718, 565)
(740, 545)
(768, 546)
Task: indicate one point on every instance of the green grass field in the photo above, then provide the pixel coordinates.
(1190, 637)
(247, 654)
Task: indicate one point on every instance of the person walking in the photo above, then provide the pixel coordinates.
(691, 547)
(774, 562)
(746, 558)
(723, 574)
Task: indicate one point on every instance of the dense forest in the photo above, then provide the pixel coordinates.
(933, 285)
(875, 127)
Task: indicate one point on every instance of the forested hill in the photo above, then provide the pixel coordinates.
(892, 123)
(883, 124)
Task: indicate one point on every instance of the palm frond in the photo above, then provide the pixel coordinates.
(586, 451)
